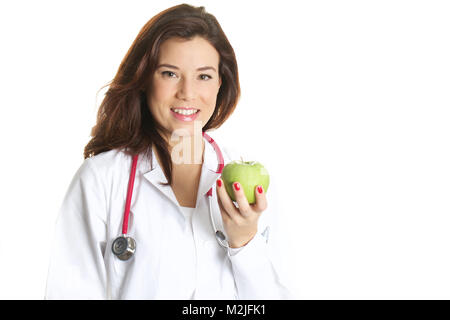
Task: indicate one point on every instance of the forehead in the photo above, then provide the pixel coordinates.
(182, 52)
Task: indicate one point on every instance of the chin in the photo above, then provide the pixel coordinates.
(182, 131)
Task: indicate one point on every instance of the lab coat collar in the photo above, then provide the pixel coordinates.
(207, 179)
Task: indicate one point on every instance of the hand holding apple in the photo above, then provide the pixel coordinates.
(249, 174)
(246, 185)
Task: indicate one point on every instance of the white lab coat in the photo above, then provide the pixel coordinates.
(172, 260)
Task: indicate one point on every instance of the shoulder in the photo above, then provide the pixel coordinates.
(107, 161)
(229, 151)
(103, 166)
(237, 151)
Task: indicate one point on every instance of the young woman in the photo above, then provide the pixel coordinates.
(147, 215)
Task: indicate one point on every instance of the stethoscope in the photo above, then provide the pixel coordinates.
(124, 246)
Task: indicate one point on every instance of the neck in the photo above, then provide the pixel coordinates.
(187, 150)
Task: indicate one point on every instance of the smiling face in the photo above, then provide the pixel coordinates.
(186, 80)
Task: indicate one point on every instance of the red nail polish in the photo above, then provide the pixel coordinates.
(260, 189)
(236, 186)
(219, 183)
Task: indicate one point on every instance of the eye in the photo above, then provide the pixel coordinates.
(169, 73)
(205, 75)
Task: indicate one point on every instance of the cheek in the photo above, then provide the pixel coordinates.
(211, 95)
(210, 99)
(161, 92)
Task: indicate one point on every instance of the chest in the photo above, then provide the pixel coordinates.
(173, 255)
(186, 180)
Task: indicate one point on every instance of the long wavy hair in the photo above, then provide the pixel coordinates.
(124, 120)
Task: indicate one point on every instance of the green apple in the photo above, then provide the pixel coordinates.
(249, 174)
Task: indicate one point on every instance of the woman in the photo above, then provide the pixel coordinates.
(178, 80)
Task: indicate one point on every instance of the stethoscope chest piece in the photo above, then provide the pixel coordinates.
(220, 237)
(124, 247)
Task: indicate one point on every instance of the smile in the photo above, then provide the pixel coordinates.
(185, 115)
(186, 112)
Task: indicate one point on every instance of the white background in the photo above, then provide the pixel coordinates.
(347, 103)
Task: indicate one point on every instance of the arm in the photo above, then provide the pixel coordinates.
(77, 269)
(259, 266)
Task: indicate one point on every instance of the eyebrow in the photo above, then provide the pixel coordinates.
(175, 67)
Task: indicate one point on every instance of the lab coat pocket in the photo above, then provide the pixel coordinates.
(219, 270)
(120, 269)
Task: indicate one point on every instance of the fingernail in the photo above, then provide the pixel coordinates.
(219, 183)
(237, 186)
(260, 189)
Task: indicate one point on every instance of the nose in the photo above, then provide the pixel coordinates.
(186, 90)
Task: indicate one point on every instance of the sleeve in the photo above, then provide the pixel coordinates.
(260, 268)
(77, 269)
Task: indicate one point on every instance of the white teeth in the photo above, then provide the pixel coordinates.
(185, 112)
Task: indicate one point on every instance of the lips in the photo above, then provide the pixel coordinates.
(184, 108)
(185, 118)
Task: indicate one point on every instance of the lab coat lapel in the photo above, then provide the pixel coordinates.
(155, 176)
(207, 179)
(208, 176)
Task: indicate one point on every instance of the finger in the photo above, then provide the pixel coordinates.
(225, 216)
(225, 200)
(241, 199)
(261, 201)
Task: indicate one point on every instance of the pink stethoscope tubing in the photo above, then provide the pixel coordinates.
(133, 174)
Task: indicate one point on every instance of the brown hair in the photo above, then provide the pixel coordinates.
(124, 120)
